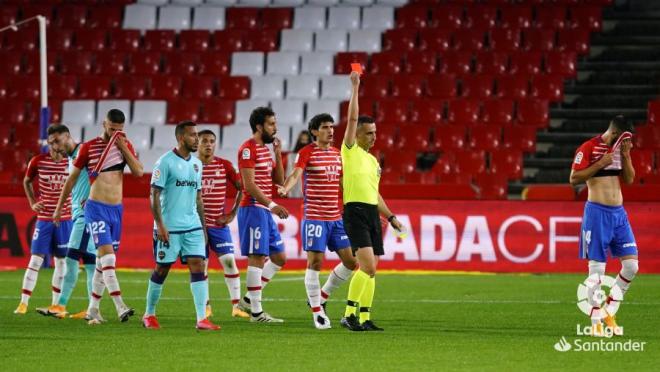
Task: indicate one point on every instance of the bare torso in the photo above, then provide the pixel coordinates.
(605, 190)
(107, 188)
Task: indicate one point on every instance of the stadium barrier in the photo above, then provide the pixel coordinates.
(489, 236)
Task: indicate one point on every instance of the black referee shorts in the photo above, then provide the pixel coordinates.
(362, 225)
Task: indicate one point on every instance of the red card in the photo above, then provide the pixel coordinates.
(356, 67)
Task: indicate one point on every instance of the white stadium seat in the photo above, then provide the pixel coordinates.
(225, 3)
(149, 112)
(378, 17)
(392, 2)
(255, 3)
(233, 136)
(105, 105)
(153, 2)
(323, 2)
(288, 3)
(82, 112)
(331, 41)
(302, 87)
(364, 3)
(140, 136)
(247, 63)
(267, 87)
(344, 18)
(229, 153)
(164, 137)
(188, 2)
(208, 18)
(284, 135)
(244, 109)
(297, 40)
(335, 87)
(322, 106)
(139, 17)
(76, 131)
(148, 158)
(283, 63)
(174, 18)
(364, 41)
(91, 131)
(288, 111)
(317, 63)
(309, 17)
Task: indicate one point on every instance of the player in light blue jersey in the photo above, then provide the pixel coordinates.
(179, 230)
(79, 246)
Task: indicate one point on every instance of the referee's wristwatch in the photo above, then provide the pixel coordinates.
(391, 218)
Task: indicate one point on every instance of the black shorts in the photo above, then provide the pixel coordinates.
(362, 225)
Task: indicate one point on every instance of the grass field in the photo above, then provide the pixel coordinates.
(434, 322)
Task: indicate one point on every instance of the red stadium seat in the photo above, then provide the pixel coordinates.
(492, 186)
(516, 16)
(480, 16)
(198, 87)
(243, 18)
(472, 40)
(551, 17)
(441, 86)
(228, 40)
(214, 63)
(79, 63)
(408, 86)
(504, 39)
(470, 162)
(412, 17)
(485, 137)
(526, 63)
(181, 63)
(477, 86)
(276, 18)
(647, 137)
(12, 112)
(534, 113)
(421, 178)
(444, 166)
(421, 62)
(426, 112)
(391, 177)
(24, 87)
(194, 40)
(385, 63)
(32, 10)
(447, 16)
(32, 63)
(105, 17)
(94, 87)
(415, 137)
(375, 86)
(8, 15)
(182, 111)
(160, 40)
(463, 111)
(110, 63)
(449, 137)
(548, 87)
(459, 63)
(642, 161)
(497, 111)
(145, 63)
(125, 40)
(62, 87)
(28, 39)
(493, 63)
(218, 112)
(386, 136)
(561, 63)
(344, 59)
(540, 39)
(5, 136)
(235, 87)
(71, 16)
(508, 163)
(520, 138)
(399, 40)
(589, 17)
(130, 87)
(91, 40)
(166, 87)
(402, 162)
(55, 110)
(513, 87)
(60, 39)
(456, 179)
(392, 111)
(654, 112)
(263, 41)
(10, 63)
(435, 39)
(575, 40)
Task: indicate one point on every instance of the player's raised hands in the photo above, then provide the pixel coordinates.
(606, 160)
(38, 206)
(355, 78)
(280, 211)
(626, 146)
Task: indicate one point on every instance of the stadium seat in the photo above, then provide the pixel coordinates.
(421, 178)
(181, 63)
(198, 87)
(160, 40)
(309, 18)
(588, 17)
(561, 63)
(343, 61)
(23, 87)
(110, 63)
(79, 63)
(25, 136)
(267, 87)
(441, 86)
(214, 63)
(242, 18)
(448, 138)
(335, 87)
(125, 40)
(139, 17)
(504, 39)
(282, 63)
(91, 40)
(94, 87)
(234, 87)
(218, 112)
(144, 63)
(315, 107)
(575, 40)
(61, 39)
(513, 87)
(492, 186)
(493, 63)
(62, 87)
(110, 17)
(244, 109)
(459, 63)
(526, 63)
(539, 39)
(408, 86)
(12, 112)
(194, 40)
(548, 87)
(233, 136)
(647, 136)
(288, 111)
(435, 40)
(183, 110)
(497, 111)
(297, 40)
(76, 131)
(208, 18)
(392, 111)
(642, 161)
(344, 18)
(654, 112)
(8, 14)
(480, 16)
(420, 62)
(150, 112)
(485, 137)
(448, 16)
(140, 136)
(463, 111)
(401, 162)
(166, 88)
(174, 18)
(229, 40)
(276, 18)
(472, 40)
(378, 17)
(470, 162)
(533, 112)
(414, 137)
(317, 63)
(32, 10)
(247, 63)
(552, 17)
(508, 163)
(385, 63)
(375, 86)
(303, 87)
(516, 16)
(412, 17)
(10, 63)
(164, 140)
(364, 41)
(103, 106)
(477, 86)
(426, 112)
(79, 112)
(331, 40)
(516, 137)
(262, 41)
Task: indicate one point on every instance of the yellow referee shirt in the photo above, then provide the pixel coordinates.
(361, 175)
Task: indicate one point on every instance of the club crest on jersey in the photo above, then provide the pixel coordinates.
(246, 154)
(196, 168)
(578, 157)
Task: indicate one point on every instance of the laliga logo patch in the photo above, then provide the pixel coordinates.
(578, 157)
(246, 154)
(156, 174)
(592, 299)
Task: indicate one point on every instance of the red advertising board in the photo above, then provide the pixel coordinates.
(491, 236)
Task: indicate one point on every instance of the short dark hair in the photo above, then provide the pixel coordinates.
(621, 123)
(258, 117)
(181, 127)
(364, 119)
(57, 129)
(316, 121)
(205, 132)
(116, 116)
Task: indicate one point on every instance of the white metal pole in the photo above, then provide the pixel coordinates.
(44, 114)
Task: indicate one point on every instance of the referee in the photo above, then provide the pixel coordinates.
(362, 203)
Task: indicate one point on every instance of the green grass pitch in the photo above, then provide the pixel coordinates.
(432, 322)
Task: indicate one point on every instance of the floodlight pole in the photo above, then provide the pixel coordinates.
(44, 113)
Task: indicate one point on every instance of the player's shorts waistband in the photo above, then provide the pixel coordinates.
(185, 231)
(604, 208)
(361, 205)
(91, 201)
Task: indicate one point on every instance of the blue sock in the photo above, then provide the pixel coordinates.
(69, 281)
(89, 269)
(153, 292)
(199, 286)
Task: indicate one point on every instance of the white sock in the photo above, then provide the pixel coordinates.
(30, 278)
(337, 277)
(313, 288)
(269, 271)
(595, 267)
(232, 277)
(98, 287)
(110, 278)
(254, 288)
(58, 277)
(628, 272)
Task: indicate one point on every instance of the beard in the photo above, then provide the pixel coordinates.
(267, 138)
(191, 148)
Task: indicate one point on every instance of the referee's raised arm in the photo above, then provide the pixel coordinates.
(353, 109)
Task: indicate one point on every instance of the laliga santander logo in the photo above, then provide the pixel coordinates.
(592, 299)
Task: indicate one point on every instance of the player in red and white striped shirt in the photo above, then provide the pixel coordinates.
(217, 175)
(319, 163)
(50, 170)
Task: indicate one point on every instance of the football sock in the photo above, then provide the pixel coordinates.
(628, 271)
(58, 277)
(355, 290)
(89, 270)
(232, 277)
(595, 267)
(110, 278)
(254, 289)
(98, 286)
(69, 281)
(337, 277)
(268, 272)
(313, 290)
(30, 277)
(367, 299)
(154, 290)
(199, 286)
